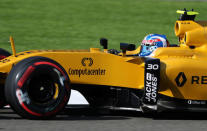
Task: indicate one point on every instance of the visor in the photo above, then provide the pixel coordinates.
(150, 42)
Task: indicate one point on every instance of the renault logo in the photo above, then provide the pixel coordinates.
(181, 79)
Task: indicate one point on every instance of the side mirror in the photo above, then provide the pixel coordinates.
(104, 43)
(126, 47)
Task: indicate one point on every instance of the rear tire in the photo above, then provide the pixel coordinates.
(37, 88)
(3, 54)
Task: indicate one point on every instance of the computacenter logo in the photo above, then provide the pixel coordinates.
(180, 79)
(87, 61)
(87, 69)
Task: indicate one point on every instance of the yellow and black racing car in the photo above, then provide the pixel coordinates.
(37, 83)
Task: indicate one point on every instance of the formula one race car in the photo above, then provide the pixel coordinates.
(37, 83)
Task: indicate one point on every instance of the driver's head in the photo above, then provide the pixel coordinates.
(151, 42)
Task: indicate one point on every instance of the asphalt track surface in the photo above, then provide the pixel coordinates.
(104, 120)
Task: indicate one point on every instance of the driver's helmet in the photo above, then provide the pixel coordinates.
(151, 42)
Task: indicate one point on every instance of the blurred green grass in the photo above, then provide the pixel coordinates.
(79, 24)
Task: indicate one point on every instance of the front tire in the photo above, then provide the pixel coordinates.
(37, 88)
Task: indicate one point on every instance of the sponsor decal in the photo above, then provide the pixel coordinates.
(22, 97)
(199, 80)
(87, 63)
(5, 60)
(28, 52)
(85, 60)
(196, 102)
(89, 72)
(152, 72)
(151, 87)
(185, 22)
(180, 79)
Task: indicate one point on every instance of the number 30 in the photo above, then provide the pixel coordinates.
(151, 66)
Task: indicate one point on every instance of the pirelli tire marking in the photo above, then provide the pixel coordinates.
(151, 84)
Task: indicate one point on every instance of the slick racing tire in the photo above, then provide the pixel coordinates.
(3, 54)
(37, 88)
